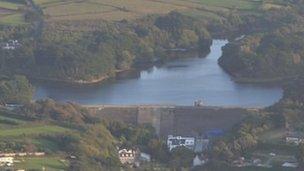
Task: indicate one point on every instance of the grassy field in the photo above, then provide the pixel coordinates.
(233, 4)
(32, 131)
(13, 19)
(115, 10)
(15, 128)
(9, 5)
(38, 163)
(273, 136)
(224, 167)
(11, 13)
(58, 10)
(9, 120)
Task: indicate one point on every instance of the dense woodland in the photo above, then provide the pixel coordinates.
(275, 54)
(92, 50)
(15, 89)
(95, 51)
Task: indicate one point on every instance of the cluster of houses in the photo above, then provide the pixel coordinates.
(134, 157)
(11, 45)
(242, 162)
(8, 159)
(290, 137)
(197, 144)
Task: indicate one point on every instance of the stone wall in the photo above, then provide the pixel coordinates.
(174, 120)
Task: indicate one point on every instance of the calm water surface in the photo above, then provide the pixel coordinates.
(180, 82)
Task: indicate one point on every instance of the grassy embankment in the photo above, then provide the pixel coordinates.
(17, 130)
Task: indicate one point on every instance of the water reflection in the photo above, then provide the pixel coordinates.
(179, 82)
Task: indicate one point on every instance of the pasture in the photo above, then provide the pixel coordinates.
(9, 5)
(114, 10)
(49, 163)
(11, 13)
(32, 131)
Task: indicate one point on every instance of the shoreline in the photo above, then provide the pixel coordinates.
(247, 80)
(117, 73)
(262, 81)
(95, 90)
(94, 81)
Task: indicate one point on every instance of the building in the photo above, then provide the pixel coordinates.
(6, 161)
(199, 160)
(294, 138)
(256, 162)
(22, 154)
(240, 162)
(179, 141)
(11, 45)
(13, 106)
(201, 145)
(198, 103)
(290, 164)
(8, 154)
(144, 157)
(127, 156)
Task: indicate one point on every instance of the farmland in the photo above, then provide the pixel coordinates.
(11, 13)
(14, 129)
(33, 130)
(58, 10)
(37, 163)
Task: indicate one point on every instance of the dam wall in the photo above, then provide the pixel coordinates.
(175, 120)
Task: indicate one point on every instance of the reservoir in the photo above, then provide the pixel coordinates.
(180, 82)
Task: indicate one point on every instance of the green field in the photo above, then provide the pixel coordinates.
(32, 131)
(9, 5)
(38, 163)
(237, 4)
(13, 19)
(15, 128)
(58, 10)
(11, 13)
(223, 167)
(73, 10)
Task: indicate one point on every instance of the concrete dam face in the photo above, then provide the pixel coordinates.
(174, 120)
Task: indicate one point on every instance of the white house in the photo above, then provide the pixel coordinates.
(201, 145)
(199, 161)
(6, 161)
(294, 140)
(289, 164)
(127, 156)
(144, 157)
(8, 154)
(11, 45)
(179, 141)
